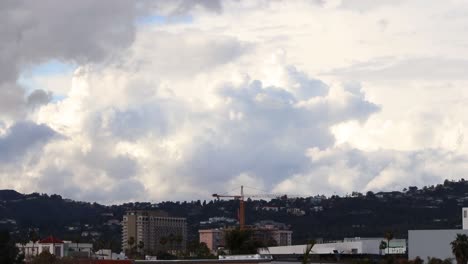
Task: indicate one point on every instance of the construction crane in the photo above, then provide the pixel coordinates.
(241, 198)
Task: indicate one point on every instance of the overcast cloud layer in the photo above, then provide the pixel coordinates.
(115, 101)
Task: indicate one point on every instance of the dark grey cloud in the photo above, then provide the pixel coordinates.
(61, 181)
(23, 137)
(12, 101)
(38, 97)
(34, 32)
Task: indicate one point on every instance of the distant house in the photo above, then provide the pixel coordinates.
(56, 247)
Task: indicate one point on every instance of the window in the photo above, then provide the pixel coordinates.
(465, 213)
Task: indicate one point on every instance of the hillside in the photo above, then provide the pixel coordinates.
(356, 215)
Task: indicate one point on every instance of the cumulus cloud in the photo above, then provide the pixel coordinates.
(174, 145)
(345, 169)
(79, 31)
(290, 96)
(21, 138)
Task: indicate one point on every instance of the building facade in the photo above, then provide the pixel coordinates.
(368, 246)
(268, 232)
(465, 218)
(56, 247)
(213, 238)
(153, 230)
(432, 243)
(272, 233)
(435, 243)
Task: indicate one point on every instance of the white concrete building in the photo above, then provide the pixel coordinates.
(347, 246)
(465, 218)
(435, 243)
(432, 243)
(55, 246)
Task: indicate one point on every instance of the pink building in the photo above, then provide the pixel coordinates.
(213, 238)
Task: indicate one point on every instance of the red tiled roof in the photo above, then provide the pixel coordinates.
(51, 240)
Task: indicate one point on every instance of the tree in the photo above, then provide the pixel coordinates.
(9, 253)
(199, 250)
(131, 242)
(34, 237)
(141, 246)
(242, 242)
(460, 248)
(131, 246)
(382, 246)
(307, 251)
(388, 236)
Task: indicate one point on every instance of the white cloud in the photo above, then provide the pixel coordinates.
(291, 96)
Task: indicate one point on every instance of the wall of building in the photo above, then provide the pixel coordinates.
(465, 218)
(431, 243)
(156, 230)
(213, 238)
(350, 246)
(59, 249)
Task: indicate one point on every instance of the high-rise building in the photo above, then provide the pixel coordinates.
(154, 230)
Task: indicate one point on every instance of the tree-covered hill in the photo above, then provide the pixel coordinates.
(354, 215)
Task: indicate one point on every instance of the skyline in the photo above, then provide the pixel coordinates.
(116, 101)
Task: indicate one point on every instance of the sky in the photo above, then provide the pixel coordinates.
(117, 100)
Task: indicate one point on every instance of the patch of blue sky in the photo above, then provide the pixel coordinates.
(163, 20)
(27, 78)
(52, 67)
(58, 98)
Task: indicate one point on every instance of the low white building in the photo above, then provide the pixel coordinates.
(435, 243)
(465, 218)
(347, 246)
(55, 246)
(432, 243)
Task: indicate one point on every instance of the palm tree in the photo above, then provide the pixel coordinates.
(34, 238)
(382, 246)
(163, 240)
(307, 251)
(388, 236)
(130, 242)
(171, 239)
(141, 246)
(460, 248)
(178, 239)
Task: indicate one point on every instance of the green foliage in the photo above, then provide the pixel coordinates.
(163, 255)
(460, 248)
(240, 242)
(199, 250)
(383, 245)
(368, 215)
(9, 254)
(438, 261)
(418, 260)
